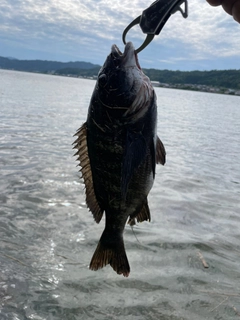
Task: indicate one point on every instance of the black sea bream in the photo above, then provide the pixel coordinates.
(118, 150)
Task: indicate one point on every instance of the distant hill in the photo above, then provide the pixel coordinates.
(76, 72)
(42, 65)
(216, 78)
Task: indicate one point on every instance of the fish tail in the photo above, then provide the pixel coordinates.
(111, 250)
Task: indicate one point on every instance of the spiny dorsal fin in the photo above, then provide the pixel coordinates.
(143, 215)
(160, 152)
(82, 151)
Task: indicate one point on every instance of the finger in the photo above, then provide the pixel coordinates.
(236, 11)
(228, 5)
(214, 2)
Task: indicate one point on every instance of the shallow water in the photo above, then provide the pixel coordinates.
(47, 235)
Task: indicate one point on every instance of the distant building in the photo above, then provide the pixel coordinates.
(155, 83)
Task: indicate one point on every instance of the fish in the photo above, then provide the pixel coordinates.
(118, 149)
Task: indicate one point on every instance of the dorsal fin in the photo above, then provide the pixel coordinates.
(82, 151)
(160, 152)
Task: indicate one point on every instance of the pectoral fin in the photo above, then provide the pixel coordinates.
(82, 151)
(160, 152)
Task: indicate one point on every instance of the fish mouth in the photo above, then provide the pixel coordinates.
(129, 57)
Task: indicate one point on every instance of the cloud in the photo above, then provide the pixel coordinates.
(86, 29)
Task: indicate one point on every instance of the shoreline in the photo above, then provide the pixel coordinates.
(157, 84)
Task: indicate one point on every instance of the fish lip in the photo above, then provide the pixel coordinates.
(129, 56)
(115, 51)
(129, 48)
(137, 62)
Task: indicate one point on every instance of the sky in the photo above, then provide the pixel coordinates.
(84, 30)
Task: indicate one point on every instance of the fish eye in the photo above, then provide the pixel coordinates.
(102, 80)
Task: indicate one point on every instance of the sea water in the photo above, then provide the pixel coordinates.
(185, 263)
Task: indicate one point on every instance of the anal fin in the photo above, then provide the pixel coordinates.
(142, 215)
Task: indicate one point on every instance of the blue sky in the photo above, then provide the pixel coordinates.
(84, 30)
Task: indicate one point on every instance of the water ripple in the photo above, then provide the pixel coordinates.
(48, 236)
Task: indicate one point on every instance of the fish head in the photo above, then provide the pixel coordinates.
(121, 84)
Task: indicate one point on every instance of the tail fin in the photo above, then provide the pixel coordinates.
(110, 250)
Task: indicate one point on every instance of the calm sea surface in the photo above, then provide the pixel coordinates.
(47, 235)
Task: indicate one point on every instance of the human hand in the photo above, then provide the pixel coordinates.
(232, 7)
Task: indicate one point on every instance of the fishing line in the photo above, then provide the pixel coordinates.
(135, 235)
